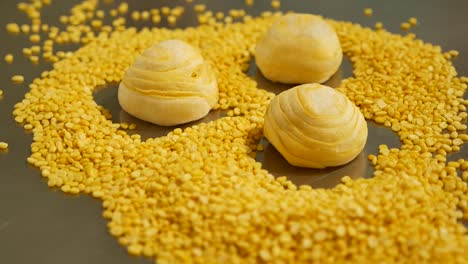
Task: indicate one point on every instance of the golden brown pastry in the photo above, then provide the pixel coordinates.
(314, 126)
(169, 84)
(299, 48)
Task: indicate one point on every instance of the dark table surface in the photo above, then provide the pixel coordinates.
(39, 225)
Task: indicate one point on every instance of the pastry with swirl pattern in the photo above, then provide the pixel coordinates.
(169, 84)
(315, 126)
(299, 48)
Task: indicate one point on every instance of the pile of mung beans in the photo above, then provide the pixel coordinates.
(198, 195)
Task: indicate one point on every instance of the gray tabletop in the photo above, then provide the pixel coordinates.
(39, 225)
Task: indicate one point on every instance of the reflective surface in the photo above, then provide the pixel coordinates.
(38, 225)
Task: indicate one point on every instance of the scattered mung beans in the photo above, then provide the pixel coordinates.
(199, 195)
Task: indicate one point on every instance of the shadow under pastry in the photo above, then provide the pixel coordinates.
(276, 164)
(149, 130)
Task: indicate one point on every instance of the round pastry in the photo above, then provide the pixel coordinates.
(299, 48)
(169, 84)
(314, 126)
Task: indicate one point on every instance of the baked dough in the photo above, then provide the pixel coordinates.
(299, 48)
(169, 84)
(314, 126)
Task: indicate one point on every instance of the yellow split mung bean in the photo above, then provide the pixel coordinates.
(368, 12)
(17, 79)
(3, 145)
(9, 58)
(199, 195)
